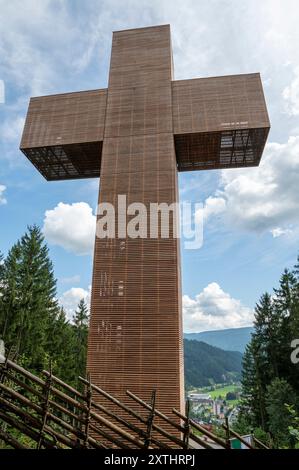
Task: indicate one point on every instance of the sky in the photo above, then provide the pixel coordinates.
(251, 224)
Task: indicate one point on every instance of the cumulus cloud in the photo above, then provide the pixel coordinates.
(264, 198)
(278, 232)
(214, 309)
(212, 206)
(291, 95)
(2, 198)
(71, 298)
(32, 34)
(71, 226)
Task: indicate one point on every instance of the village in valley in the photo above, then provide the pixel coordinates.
(212, 405)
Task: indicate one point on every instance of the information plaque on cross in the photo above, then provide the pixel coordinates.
(136, 135)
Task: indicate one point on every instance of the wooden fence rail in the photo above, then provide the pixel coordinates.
(47, 413)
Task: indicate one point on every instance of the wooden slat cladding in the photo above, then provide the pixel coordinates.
(135, 339)
(66, 118)
(219, 122)
(63, 134)
(218, 104)
(141, 57)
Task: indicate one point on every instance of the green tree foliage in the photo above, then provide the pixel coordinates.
(80, 333)
(253, 400)
(279, 393)
(231, 396)
(60, 347)
(1, 265)
(28, 297)
(205, 364)
(32, 324)
(267, 363)
(294, 426)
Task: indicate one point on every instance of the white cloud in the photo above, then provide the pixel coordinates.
(71, 298)
(262, 198)
(214, 309)
(2, 198)
(71, 226)
(278, 232)
(291, 95)
(54, 45)
(212, 206)
(32, 34)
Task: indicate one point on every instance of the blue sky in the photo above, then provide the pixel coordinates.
(251, 227)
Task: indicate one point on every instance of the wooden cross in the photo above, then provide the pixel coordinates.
(136, 135)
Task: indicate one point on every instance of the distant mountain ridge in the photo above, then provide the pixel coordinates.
(231, 339)
(204, 363)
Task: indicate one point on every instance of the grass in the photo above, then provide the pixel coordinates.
(221, 392)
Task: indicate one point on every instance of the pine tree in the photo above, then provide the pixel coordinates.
(248, 385)
(261, 363)
(280, 393)
(9, 292)
(269, 379)
(253, 391)
(1, 293)
(80, 327)
(286, 305)
(267, 323)
(60, 347)
(1, 266)
(28, 292)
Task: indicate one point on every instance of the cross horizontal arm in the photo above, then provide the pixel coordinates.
(219, 122)
(218, 103)
(63, 134)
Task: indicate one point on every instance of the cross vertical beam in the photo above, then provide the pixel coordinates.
(135, 338)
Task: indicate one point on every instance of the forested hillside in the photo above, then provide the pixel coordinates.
(205, 364)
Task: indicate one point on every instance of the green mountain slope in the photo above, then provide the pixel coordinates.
(204, 362)
(232, 339)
